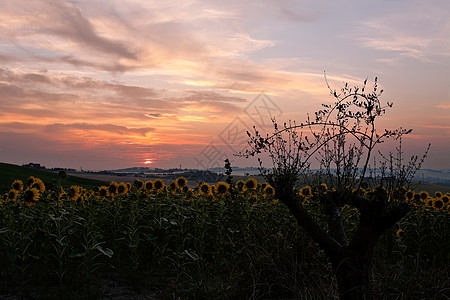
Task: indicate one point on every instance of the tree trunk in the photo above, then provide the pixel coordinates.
(353, 278)
(351, 261)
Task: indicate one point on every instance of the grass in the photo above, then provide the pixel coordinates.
(9, 172)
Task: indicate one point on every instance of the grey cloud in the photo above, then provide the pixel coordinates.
(122, 130)
(122, 90)
(23, 95)
(8, 91)
(133, 91)
(113, 67)
(33, 77)
(68, 21)
(212, 101)
(207, 96)
(60, 128)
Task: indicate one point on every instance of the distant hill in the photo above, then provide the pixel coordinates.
(131, 170)
(9, 173)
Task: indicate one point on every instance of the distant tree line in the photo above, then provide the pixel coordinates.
(39, 167)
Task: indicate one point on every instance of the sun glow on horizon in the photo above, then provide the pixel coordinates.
(148, 161)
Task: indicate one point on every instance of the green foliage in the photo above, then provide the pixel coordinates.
(190, 245)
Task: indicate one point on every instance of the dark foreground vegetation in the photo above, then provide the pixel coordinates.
(208, 243)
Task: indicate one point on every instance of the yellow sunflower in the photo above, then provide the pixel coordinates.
(74, 192)
(222, 187)
(446, 199)
(30, 181)
(12, 195)
(423, 195)
(173, 186)
(181, 181)
(438, 204)
(112, 188)
(251, 184)
(103, 191)
(159, 184)
(149, 185)
(31, 196)
(204, 188)
(410, 195)
(306, 191)
(122, 188)
(269, 191)
(17, 185)
(139, 184)
(240, 186)
(39, 185)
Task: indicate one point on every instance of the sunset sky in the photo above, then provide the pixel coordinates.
(107, 84)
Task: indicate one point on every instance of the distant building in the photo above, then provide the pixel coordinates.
(34, 166)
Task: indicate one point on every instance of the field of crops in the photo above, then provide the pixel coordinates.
(223, 242)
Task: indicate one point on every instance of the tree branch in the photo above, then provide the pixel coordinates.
(318, 234)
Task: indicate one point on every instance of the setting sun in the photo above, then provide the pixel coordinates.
(147, 162)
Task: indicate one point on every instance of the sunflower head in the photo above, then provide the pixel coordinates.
(103, 191)
(269, 191)
(222, 187)
(159, 184)
(74, 192)
(122, 189)
(30, 180)
(39, 185)
(204, 188)
(173, 186)
(149, 185)
(306, 191)
(112, 188)
(17, 185)
(445, 198)
(12, 195)
(31, 196)
(438, 204)
(240, 185)
(399, 232)
(438, 195)
(410, 195)
(251, 184)
(181, 181)
(139, 184)
(423, 195)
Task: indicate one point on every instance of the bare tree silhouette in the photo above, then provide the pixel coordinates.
(341, 139)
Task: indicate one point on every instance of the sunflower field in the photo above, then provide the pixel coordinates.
(222, 241)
